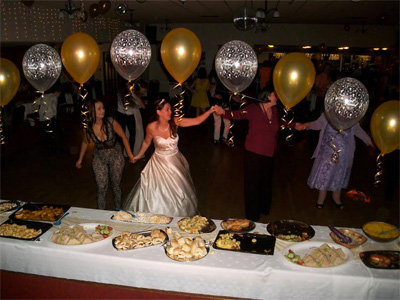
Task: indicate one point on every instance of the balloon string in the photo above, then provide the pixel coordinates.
(85, 108)
(2, 137)
(335, 154)
(47, 120)
(288, 114)
(379, 170)
(231, 136)
(178, 107)
(129, 96)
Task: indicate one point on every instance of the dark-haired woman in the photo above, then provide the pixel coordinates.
(165, 185)
(108, 159)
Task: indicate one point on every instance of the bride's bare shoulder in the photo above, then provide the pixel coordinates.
(152, 126)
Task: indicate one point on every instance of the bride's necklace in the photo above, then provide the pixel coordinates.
(163, 130)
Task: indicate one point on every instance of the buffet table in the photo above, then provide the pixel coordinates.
(220, 273)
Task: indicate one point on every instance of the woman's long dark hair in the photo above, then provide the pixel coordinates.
(92, 118)
(159, 105)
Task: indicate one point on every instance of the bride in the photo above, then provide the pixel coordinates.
(165, 185)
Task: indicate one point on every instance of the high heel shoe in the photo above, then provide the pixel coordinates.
(338, 205)
(319, 206)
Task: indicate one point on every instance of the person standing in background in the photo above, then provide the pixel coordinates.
(321, 85)
(199, 89)
(47, 108)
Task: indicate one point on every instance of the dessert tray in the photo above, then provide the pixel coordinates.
(238, 225)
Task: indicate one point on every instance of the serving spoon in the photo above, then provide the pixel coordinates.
(126, 212)
(58, 222)
(386, 231)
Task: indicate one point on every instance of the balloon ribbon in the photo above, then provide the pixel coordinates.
(47, 120)
(2, 138)
(379, 170)
(288, 114)
(335, 154)
(178, 107)
(128, 97)
(85, 109)
(231, 136)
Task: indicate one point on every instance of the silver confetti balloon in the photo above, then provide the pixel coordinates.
(130, 54)
(236, 65)
(346, 102)
(42, 66)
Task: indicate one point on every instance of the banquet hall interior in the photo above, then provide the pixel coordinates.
(31, 174)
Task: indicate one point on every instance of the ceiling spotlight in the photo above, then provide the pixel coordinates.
(121, 9)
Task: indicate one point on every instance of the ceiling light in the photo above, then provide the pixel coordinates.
(376, 49)
(384, 49)
(306, 47)
(121, 9)
(276, 14)
(271, 46)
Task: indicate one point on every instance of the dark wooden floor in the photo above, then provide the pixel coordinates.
(28, 173)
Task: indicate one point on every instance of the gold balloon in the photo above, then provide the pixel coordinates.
(385, 126)
(9, 81)
(80, 55)
(180, 53)
(293, 78)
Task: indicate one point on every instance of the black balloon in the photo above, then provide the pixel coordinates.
(94, 10)
(28, 3)
(104, 6)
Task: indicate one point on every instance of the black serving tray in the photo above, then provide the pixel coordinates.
(38, 206)
(376, 259)
(289, 227)
(29, 224)
(250, 243)
(17, 204)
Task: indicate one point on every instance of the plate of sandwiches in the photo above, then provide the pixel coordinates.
(317, 255)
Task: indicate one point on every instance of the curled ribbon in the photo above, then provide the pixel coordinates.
(43, 104)
(379, 170)
(84, 109)
(288, 114)
(335, 154)
(231, 136)
(2, 138)
(127, 98)
(178, 107)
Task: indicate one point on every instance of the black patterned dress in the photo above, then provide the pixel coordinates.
(108, 162)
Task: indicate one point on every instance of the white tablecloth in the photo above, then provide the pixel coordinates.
(221, 273)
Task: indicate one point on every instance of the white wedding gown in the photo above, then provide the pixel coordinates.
(165, 185)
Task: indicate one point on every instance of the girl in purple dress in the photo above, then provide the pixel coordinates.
(326, 174)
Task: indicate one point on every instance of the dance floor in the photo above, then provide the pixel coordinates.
(28, 173)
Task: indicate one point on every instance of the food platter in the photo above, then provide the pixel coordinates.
(238, 225)
(302, 249)
(384, 259)
(29, 225)
(186, 249)
(357, 239)
(73, 234)
(193, 225)
(57, 211)
(141, 217)
(10, 205)
(290, 230)
(140, 240)
(245, 242)
(373, 229)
